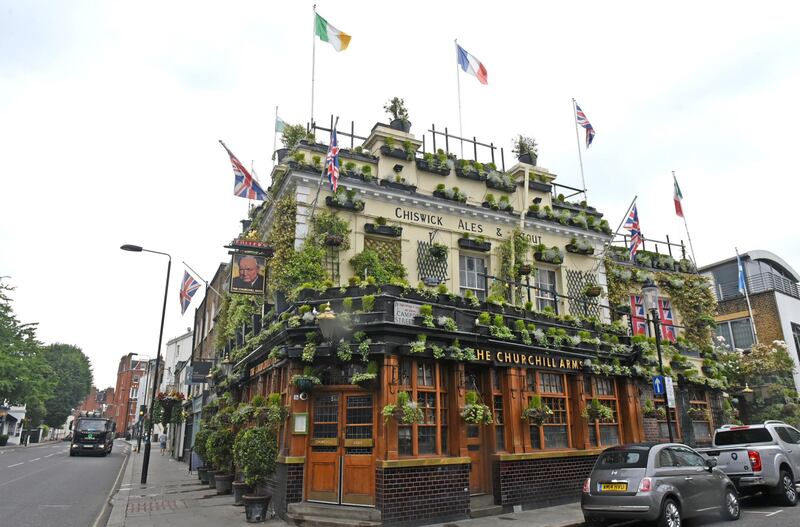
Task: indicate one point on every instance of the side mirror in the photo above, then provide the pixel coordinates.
(711, 463)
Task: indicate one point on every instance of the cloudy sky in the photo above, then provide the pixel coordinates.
(111, 113)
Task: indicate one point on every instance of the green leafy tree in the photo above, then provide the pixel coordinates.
(73, 381)
(25, 377)
(292, 134)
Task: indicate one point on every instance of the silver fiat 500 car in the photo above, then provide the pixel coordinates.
(656, 482)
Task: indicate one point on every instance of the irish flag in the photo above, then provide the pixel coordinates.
(677, 196)
(331, 35)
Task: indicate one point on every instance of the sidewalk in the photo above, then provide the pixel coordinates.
(175, 498)
(172, 497)
(31, 445)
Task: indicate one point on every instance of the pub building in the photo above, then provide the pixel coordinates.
(414, 443)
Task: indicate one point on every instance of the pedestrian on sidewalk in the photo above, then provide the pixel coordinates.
(163, 440)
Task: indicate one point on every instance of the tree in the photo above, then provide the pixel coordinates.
(73, 381)
(25, 377)
(292, 135)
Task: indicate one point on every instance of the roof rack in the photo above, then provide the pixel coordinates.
(774, 422)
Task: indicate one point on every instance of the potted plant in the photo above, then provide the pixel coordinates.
(306, 381)
(367, 379)
(597, 411)
(537, 412)
(435, 164)
(380, 227)
(580, 246)
(438, 251)
(524, 269)
(345, 199)
(396, 109)
(255, 452)
(477, 244)
(470, 170)
(538, 182)
(397, 182)
(218, 447)
(474, 411)
(499, 181)
(405, 410)
(543, 254)
(592, 290)
(525, 149)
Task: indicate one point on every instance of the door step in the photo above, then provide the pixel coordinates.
(310, 514)
(483, 505)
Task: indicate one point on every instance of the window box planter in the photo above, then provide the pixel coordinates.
(362, 156)
(575, 207)
(495, 207)
(474, 245)
(398, 185)
(433, 169)
(356, 175)
(383, 230)
(500, 186)
(354, 206)
(572, 248)
(470, 173)
(442, 195)
(542, 256)
(538, 186)
(397, 153)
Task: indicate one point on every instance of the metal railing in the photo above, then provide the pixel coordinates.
(757, 283)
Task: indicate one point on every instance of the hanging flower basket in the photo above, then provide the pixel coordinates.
(438, 251)
(333, 240)
(525, 269)
(306, 382)
(593, 291)
(597, 411)
(537, 412)
(475, 412)
(406, 412)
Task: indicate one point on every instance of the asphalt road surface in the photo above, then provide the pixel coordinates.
(757, 511)
(42, 486)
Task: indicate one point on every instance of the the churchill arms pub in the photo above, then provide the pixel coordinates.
(454, 336)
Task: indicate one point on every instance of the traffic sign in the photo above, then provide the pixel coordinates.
(670, 392)
(658, 385)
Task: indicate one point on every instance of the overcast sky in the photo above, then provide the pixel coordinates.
(110, 114)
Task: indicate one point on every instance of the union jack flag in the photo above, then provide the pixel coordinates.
(245, 185)
(632, 225)
(189, 287)
(583, 121)
(332, 162)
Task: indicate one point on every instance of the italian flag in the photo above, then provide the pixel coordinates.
(327, 33)
(677, 196)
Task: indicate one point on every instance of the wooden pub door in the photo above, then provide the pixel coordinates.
(341, 461)
(476, 443)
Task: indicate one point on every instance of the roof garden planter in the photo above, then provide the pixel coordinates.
(352, 205)
(398, 185)
(394, 231)
(579, 249)
(538, 186)
(474, 245)
(469, 172)
(501, 206)
(425, 166)
(401, 124)
(360, 156)
(397, 153)
(528, 157)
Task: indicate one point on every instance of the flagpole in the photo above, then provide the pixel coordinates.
(616, 231)
(458, 83)
(322, 176)
(313, 60)
(686, 225)
(202, 279)
(275, 138)
(746, 296)
(578, 139)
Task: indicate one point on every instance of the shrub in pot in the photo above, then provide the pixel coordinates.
(255, 452)
(200, 448)
(218, 447)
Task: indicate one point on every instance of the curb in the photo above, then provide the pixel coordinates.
(119, 499)
(8, 448)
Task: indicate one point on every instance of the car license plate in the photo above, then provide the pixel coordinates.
(88, 446)
(614, 487)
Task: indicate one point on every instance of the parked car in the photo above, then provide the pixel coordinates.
(764, 457)
(656, 482)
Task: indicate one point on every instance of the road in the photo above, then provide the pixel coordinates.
(42, 486)
(757, 511)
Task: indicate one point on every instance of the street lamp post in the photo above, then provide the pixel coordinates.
(146, 458)
(650, 294)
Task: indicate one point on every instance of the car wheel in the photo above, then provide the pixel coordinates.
(670, 514)
(787, 494)
(731, 510)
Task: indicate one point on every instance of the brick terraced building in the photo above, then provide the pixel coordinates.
(510, 316)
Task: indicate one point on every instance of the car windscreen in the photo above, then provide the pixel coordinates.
(622, 459)
(742, 436)
(91, 425)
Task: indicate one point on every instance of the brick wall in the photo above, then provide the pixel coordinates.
(286, 486)
(651, 429)
(409, 495)
(765, 313)
(540, 482)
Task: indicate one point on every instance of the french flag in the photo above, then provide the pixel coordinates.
(471, 65)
